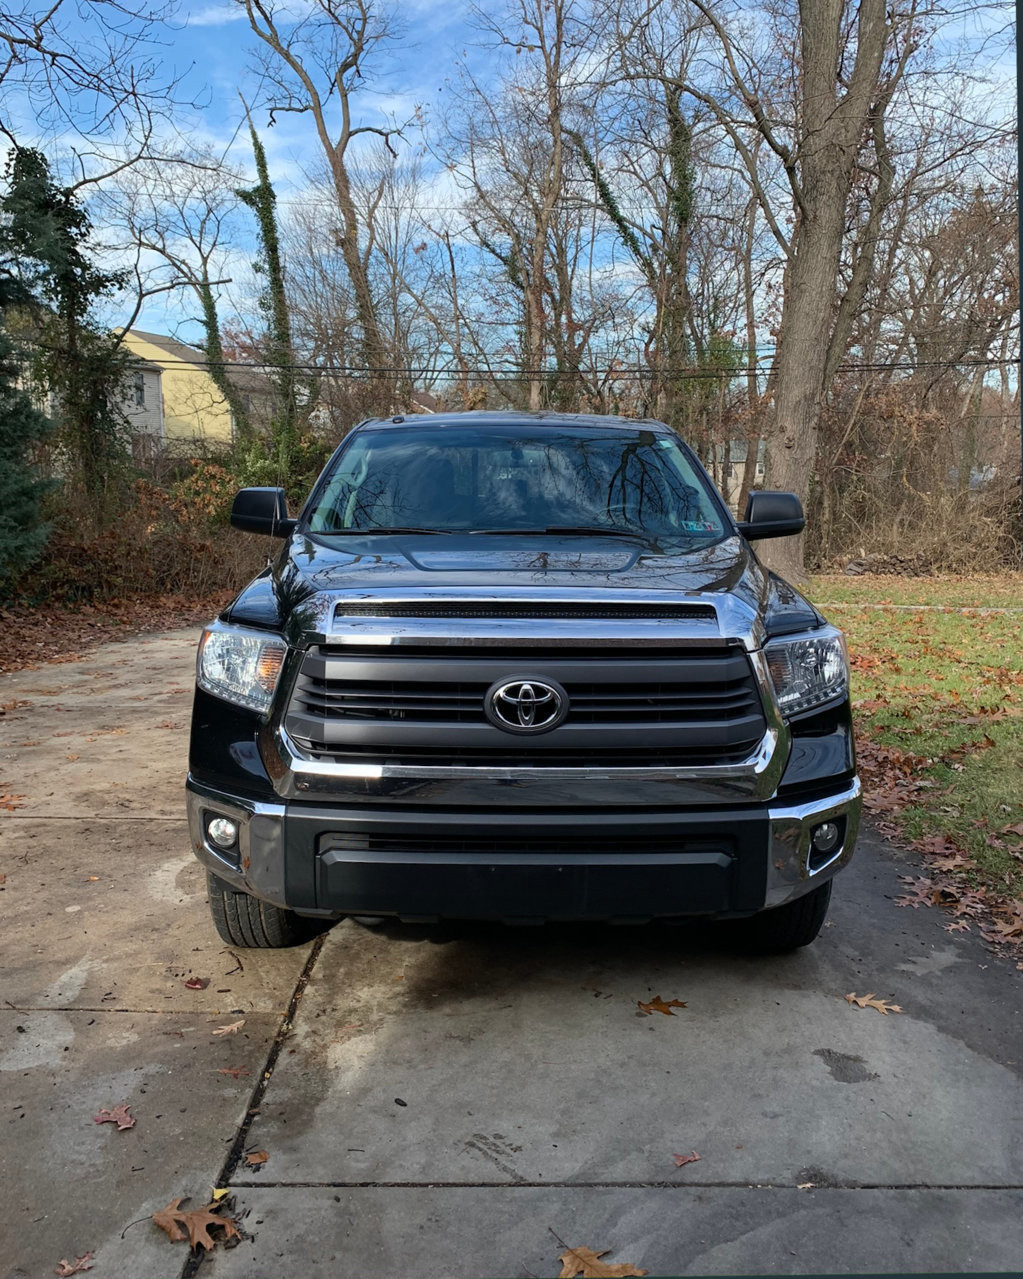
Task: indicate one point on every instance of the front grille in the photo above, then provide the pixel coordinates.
(694, 706)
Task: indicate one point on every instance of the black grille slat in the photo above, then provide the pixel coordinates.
(694, 705)
(560, 842)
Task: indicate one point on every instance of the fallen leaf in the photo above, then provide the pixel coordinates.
(235, 1072)
(10, 801)
(868, 1001)
(119, 1116)
(231, 1029)
(256, 1158)
(196, 983)
(65, 1268)
(3, 879)
(195, 1222)
(658, 1005)
(586, 1264)
(221, 1193)
(682, 1160)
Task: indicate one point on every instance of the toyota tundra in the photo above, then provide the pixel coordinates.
(521, 668)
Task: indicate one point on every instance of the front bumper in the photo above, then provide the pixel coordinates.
(519, 866)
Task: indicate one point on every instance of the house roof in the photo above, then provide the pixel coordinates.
(246, 379)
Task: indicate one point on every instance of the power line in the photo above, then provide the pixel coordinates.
(620, 371)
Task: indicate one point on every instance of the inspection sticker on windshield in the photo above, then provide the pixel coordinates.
(698, 526)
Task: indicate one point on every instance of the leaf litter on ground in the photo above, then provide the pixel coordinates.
(119, 1116)
(682, 1160)
(659, 1005)
(195, 1224)
(231, 1029)
(870, 1001)
(923, 682)
(584, 1263)
(78, 1266)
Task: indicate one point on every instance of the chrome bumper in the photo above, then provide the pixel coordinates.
(259, 864)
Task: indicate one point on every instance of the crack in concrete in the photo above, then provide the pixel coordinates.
(613, 1185)
(234, 1155)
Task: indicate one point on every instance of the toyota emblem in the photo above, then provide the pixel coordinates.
(526, 705)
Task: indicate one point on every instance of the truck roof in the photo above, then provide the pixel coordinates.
(488, 418)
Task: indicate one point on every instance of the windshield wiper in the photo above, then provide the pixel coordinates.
(374, 532)
(580, 530)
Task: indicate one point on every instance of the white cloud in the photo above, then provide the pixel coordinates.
(214, 15)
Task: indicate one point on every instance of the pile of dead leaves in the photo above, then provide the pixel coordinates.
(998, 920)
(894, 779)
(65, 632)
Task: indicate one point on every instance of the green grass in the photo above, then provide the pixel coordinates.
(942, 690)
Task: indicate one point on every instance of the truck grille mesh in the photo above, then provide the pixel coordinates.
(694, 706)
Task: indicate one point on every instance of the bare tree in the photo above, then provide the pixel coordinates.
(818, 117)
(312, 66)
(179, 212)
(511, 155)
(92, 75)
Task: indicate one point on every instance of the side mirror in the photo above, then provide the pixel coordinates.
(262, 510)
(771, 514)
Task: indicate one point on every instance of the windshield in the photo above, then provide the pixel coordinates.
(452, 478)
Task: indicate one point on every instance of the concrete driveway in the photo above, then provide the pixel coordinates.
(462, 1101)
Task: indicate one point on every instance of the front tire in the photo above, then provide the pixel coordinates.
(244, 920)
(786, 928)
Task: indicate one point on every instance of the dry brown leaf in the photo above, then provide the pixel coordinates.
(82, 1263)
(235, 1072)
(196, 983)
(231, 1029)
(119, 1116)
(682, 1160)
(869, 1001)
(658, 1005)
(195, 1222)
(584, 1263)
(256, 1158)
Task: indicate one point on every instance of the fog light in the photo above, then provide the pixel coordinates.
(222, 831)
(825, 837)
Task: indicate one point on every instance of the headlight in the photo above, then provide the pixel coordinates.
(807, 672)
(241, 666)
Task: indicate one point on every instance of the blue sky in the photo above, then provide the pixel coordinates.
(216, 51)
(212, 48)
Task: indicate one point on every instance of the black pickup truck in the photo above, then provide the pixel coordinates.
(522, 668)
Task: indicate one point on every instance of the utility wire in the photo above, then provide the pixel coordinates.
(394, 371)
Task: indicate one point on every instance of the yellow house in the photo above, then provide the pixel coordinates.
(193, 407)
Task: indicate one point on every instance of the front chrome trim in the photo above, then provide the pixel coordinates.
(789, 874)
(321, 619)
(259, 866)
(755, 779)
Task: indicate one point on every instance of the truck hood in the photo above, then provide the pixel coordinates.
(320, 587)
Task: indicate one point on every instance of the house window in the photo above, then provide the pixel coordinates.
(139, 389)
